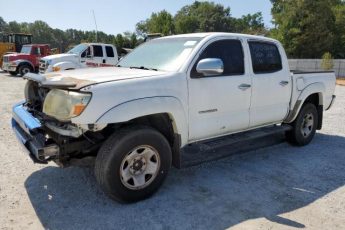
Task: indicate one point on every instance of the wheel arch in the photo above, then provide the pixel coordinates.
(314, 94)
(65, 65)
(22, 62)
(165, 114)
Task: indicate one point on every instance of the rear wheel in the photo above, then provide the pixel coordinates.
(24, 69)
(304, 127)
(13, 73)
(133, 163)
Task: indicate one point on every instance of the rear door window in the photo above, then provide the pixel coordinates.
(265, 57)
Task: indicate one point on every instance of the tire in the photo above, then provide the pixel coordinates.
(13, 73)
(304, 126)
(125, 158)
(24, 69)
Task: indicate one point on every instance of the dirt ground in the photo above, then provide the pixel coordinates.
(341, 81)
(279, 187)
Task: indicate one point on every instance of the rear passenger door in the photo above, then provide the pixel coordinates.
(219, 104)
(271, 89)
(111, 57)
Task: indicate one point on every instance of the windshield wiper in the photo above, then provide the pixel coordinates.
(142, 67)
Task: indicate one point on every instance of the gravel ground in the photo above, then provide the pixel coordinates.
(279, 187)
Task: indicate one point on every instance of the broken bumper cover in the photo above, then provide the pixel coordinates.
(29, 133)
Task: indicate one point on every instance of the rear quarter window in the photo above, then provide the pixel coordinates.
(265, 57)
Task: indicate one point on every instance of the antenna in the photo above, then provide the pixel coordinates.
(94, 18)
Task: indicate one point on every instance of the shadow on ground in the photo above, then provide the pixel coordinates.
(217, 195)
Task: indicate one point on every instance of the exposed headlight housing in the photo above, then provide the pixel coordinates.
(64, 105)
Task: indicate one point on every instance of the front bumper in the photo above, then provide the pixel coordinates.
(8, 67)
(28, 130)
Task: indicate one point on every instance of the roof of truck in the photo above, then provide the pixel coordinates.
(214, 34)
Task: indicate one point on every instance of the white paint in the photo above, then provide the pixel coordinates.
(200, 108)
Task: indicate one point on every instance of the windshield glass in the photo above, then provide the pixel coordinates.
(78, 49)
(167, 54)
(26, 50)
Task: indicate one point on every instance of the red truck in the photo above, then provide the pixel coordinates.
(25, 61)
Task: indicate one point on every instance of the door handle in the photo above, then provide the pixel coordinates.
(244, 86)
(283, 83)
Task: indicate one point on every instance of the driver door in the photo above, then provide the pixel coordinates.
(220, 104)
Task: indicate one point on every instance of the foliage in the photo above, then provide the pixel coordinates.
(161, 22)
(201, 17)
(306, 28)
(309, 28)
(64, 40)
(327, 61)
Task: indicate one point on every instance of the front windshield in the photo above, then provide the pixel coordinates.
(78, 49)
(26, 50)
(167, 54)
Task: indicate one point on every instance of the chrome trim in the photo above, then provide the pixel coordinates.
(210, 66)
(24, 119)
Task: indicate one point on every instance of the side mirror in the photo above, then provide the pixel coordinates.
(210, 66)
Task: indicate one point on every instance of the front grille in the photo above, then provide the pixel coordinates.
(42, 66)
(6, 59)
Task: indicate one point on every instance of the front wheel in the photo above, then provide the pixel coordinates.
(133, 163)
(304, 127)
(24, 69)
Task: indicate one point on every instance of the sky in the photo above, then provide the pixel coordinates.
(112, 16)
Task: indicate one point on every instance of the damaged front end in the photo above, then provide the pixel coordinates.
(46, 138)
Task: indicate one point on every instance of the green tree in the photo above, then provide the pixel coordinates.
(3, 25)
(339, 43)
(204, 17)
(14, 27)
(305, 27)
(161, 22)
(327, 61)
(251, 24)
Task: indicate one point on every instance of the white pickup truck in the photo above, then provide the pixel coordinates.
(136, 118)
(81, 56)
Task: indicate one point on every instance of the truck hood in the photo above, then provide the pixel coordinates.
(60, 57)
(79, 78)
(17, 56)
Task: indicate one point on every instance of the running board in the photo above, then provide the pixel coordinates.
(217, 148)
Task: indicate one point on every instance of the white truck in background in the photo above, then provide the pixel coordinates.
(81, 56)
(136, 119)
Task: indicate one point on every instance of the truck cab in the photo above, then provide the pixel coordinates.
(27, 60)
(81, 56)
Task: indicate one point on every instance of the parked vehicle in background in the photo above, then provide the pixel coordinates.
(13, 42)
(81, 56)
(27, 60)
(166, 95)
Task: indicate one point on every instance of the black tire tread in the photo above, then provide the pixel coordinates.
(292, 136)
(105, 151)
